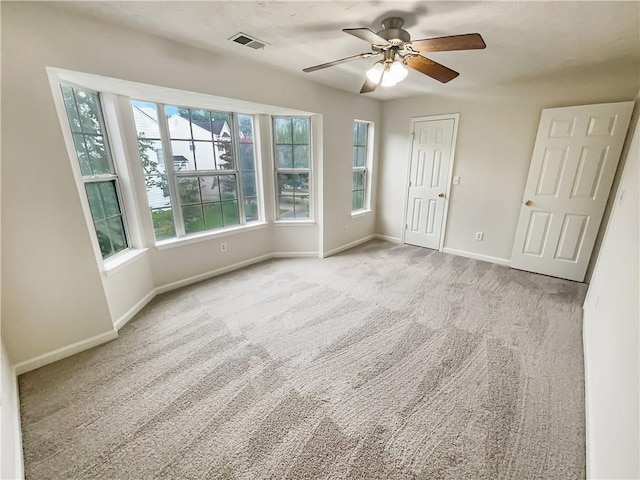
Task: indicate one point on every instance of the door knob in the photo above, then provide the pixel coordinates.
(441, 195)
(528, 203)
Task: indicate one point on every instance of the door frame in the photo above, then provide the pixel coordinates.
(456, 120)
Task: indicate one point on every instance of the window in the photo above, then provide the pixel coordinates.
(203, 187)
(292, 167)
(98, 174)
(360, 173)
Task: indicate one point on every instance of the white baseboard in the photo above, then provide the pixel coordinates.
(18, 459)
(214, 273)
(64, 352)
(588, 431)
(477, 256)
(388, 238)
(122, 321)
(294, 255)
(347, 246)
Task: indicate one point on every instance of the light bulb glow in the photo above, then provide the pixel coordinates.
(387, 74)
(375, 72)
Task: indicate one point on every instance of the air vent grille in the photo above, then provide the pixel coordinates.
(248, 41)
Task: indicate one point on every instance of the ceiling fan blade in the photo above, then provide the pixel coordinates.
(366, 35)
(338, 62)
(470, 41)
(368, 86)
(433, 69)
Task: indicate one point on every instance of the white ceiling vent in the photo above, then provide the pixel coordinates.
(247, 41)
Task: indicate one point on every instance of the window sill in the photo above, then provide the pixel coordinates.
(300, 223)
(361, 213)
(117, 263)
(202, 237)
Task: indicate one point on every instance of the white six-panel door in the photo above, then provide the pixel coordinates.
(428, 177)
(572, 168)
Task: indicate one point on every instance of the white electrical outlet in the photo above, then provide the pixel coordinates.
(479, 235)
(456, 180)
(223, 247)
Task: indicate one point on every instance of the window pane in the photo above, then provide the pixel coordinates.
(88, 111)
(251, 209)
(230, 213)
(301, 156)
(145, 115)
(245, 128)
(70, 107)
(201, 125)
(228, 187)
(247, 156)
(183, 158)
(95, 201)
(282, 127)
(358, 180)
(285, 156)
(109, 198)
(158, 191)
(178, 121)
(302, 207)
(193, 218)
(189, 190)
(97, 154)
(209, 188)
(249, 184)
(357, 200)
(286, 182)
(359, 156)
(301, 183)
(361, 136)
(116, 230)
(221, 126)
(104, 241)
(224, 155)
(81, 151)
(213, 215)
(163, 224)
(300, 130)
(151, 156)
(205, 156)
(285, 207)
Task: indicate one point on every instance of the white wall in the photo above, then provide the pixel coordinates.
(495, 139)
(53, 290)
(11, 451)
(611, 318)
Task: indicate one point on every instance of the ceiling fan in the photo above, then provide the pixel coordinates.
(397, 49)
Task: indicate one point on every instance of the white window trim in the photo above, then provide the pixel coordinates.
(276, 170)
(369, 169)
(109, 264)
(121, 128)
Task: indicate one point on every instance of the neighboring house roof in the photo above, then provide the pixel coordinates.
(216, 126)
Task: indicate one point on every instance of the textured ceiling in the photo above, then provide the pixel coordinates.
(525, 40)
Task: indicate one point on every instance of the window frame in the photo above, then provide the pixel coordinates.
(366, 168)
(292, 171)
(84, 180)
(173, 175)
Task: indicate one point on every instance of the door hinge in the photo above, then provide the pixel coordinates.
(409, 182)
(406, 226)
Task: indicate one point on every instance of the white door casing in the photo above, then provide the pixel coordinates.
(574, 161)
(429, 176)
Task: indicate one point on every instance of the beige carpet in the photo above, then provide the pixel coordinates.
(383, 362)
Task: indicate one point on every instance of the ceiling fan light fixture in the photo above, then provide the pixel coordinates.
(387, 74)
(374, 74)
(397, 71)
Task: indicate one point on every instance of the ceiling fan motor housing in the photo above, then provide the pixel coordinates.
(392, 31)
